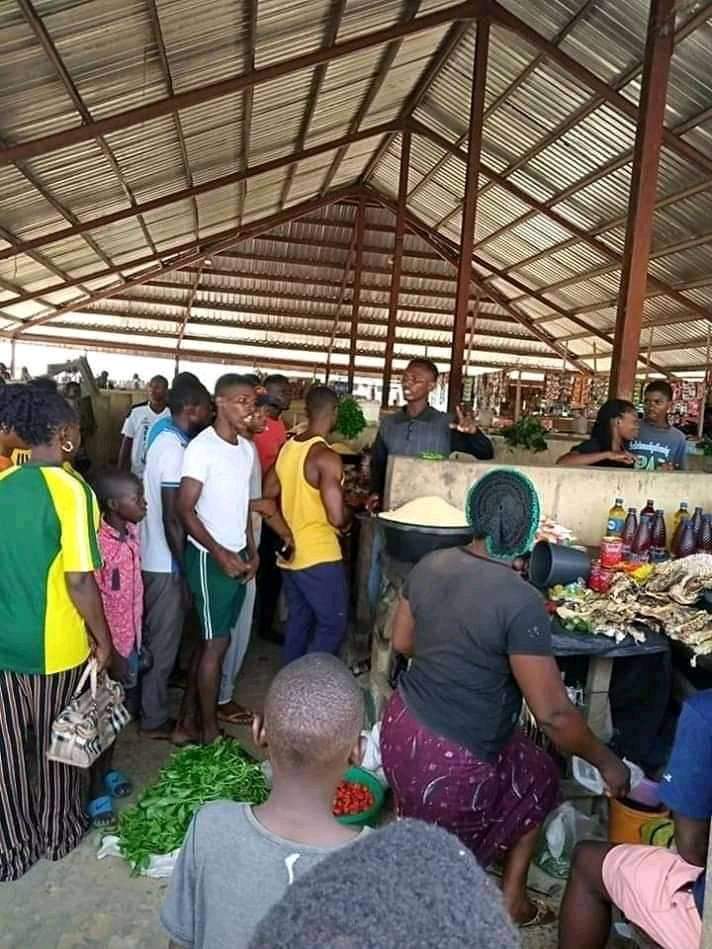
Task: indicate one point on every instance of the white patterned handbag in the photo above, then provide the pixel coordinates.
(91, 721)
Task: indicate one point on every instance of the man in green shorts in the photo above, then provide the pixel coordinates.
(213, 503)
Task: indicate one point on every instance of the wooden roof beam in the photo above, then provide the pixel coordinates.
(81, 227)
(466, 10)
(217, 243)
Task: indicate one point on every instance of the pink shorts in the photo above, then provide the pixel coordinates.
(650, 886)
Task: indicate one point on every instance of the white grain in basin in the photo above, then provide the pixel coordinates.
(427, 512)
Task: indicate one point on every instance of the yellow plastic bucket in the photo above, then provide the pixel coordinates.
(625, 821)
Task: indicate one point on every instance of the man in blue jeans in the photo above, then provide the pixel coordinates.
(308, 478)
(659, 891)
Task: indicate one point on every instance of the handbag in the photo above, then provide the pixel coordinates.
(91, 721)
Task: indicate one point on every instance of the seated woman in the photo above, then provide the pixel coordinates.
(615, 427)
(480, 638)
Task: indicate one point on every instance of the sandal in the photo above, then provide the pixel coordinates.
(117, 784)
(101, 812)
(242, 717)
(544, 916)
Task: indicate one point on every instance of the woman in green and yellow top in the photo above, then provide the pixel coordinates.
(51, 609)
(308, 477)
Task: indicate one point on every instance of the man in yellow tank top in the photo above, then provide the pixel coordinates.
(308, 479)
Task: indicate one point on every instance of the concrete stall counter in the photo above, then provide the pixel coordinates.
(577, 498)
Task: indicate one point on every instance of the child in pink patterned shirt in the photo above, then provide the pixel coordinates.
(123, 507)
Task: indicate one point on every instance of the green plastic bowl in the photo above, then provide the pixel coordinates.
(367, 818)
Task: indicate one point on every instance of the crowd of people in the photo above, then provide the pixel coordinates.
(212, 508)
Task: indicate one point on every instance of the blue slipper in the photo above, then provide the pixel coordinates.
(117, 784)
(101, 812)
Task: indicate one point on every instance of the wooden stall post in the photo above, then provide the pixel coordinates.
(397, 266)
(469, 211)
(641, 206)
(356, 298)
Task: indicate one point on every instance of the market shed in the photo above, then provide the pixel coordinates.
(352, 183)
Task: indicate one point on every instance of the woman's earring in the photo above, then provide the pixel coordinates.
(67, 447)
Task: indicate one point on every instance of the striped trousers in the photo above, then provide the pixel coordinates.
(41, 812)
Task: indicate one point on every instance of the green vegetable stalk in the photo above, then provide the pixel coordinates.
(157, 824)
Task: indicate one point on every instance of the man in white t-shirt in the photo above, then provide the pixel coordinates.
(220, 558)
(163, 549)
(142, 416)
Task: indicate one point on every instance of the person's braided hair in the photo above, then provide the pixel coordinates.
(34, 414)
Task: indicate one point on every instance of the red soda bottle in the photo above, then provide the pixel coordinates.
(658, 550)
(643, 541)
(629, 531)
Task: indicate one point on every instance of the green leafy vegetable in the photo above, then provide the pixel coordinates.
(350, 420)
(158, 822)
(528, 433)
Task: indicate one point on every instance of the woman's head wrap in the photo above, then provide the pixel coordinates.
(503, 507)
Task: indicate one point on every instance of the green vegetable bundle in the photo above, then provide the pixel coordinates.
(350, 420)
(157, 824)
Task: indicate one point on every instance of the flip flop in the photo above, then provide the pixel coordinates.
(244, 717)
(544, 916)
(101, 812)
(117, 784)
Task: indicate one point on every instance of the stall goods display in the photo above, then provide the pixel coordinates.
(663, 598)
(158, 822)
(427, 512)
(554, 533)
(351, 799)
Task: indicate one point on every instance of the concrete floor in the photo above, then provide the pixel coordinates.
(83, 903)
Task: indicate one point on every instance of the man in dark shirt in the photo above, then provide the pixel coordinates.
(418, 428)
(659, 891)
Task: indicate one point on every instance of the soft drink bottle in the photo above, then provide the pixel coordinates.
(704, 543)
(687, 542)
(658, 551)
(649, 509)
(616, 519)
(629, 531)
(697, 522)
(643, 541)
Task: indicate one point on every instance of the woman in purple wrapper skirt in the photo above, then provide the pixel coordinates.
(479, 639)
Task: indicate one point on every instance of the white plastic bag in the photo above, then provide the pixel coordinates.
(562, 831)
(160, 867)
(371, 741)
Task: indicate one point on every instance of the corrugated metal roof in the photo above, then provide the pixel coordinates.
(557, 163)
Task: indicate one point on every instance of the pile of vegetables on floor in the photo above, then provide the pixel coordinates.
(193, 776)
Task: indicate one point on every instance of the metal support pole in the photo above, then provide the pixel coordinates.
(397, 267)
(356, 298)
(469, 211)
(641, 206)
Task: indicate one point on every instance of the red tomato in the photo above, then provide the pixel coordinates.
(351, 799)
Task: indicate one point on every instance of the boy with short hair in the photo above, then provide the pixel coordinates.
(141, 417)
(220, 557)
(659, 446)
(237, 861)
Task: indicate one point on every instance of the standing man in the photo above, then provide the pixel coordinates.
(163, 549)
(276, 399)
(659, 446)
(213, 504)
(308, 476)
(142, 416)
(417, 428)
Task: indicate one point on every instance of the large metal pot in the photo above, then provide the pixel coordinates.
(409, 543)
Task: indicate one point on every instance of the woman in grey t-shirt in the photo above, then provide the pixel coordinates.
(479, 638)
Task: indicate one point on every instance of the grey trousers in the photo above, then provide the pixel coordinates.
(239, 641)
(163, 619)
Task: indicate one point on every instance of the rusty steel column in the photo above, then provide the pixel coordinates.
(469, 211)
(397, 266)
(356, 298)
(641, 205)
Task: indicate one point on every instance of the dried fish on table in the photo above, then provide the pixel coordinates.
(663, 602)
